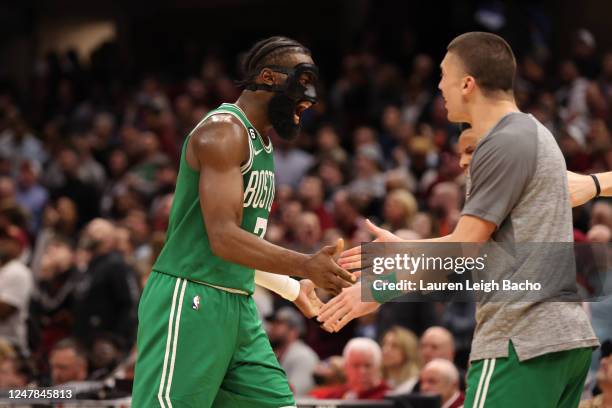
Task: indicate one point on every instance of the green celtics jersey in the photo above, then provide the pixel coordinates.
(187, 252)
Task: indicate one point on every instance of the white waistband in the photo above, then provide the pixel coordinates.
(223, 288)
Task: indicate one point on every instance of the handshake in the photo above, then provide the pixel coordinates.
(346, 305)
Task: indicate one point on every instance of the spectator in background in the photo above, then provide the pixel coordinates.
(418, 90)
(365, 136)
(30, 195)
(53, 298)
(106, 354)
(329, 372)
(440, 377)
(312, 195)
(118, 164)
(68, 362)
(141, 176)
(399, 179)
(400, 360)
(308, 233)
(137, 223)
(16, 286)
(600, 310)
(422, 224)
(347, 210)
(459, 319)
(445, 203)
(107, 294)
(298, 360)
(604, 380)
(605, 80)
(369, 181)
(183, 109)
(6, 349)
(601, 213)
(584, 52)
(290, 162)
(362, 365)
(7, 191)
(102, 135)
(90, 170)
(160, 212)
(399, 209)
(18, 143)
(331, 173)
(158, 120)
(15, 372)
(436, 342)
(392, 132)
(289, 214)
(59, 220)
(578, 99)
(328, 143)
(84, 195)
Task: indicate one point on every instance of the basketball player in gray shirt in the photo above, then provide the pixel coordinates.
(527, 354)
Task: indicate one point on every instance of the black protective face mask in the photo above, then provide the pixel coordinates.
(288, 95)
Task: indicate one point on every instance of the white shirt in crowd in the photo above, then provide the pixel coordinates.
(16, 287)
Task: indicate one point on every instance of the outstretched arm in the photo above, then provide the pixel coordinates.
(582, 188)
(219, 147)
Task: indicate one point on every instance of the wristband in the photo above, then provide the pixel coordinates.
(597, 185)
(283, 285)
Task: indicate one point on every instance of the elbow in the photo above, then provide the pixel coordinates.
(219, 240)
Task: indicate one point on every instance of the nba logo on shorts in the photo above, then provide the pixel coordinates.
(196, 303)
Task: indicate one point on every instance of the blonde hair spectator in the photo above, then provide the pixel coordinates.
(399, 210)
(400, 366)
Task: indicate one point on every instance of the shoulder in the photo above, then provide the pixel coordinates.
(16, 272)
(219, 128)
(516, 136)
(16, 269)
(220, 140)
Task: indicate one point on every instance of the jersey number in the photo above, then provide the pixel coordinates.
(260, 227)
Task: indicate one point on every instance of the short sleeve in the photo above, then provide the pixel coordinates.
(501, 168)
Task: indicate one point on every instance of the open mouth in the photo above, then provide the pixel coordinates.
(298, 112)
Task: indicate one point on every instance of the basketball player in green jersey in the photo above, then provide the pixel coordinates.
(200, 340)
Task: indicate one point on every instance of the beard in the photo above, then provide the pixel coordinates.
(281, 109)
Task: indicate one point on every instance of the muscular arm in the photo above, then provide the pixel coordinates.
(219, 147)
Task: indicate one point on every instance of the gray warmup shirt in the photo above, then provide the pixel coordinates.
(518, 182)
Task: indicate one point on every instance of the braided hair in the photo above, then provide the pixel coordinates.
(268, 52)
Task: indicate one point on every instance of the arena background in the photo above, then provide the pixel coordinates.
(97, 97)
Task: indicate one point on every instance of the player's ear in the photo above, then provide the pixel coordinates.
(468, 85)
(267, 76)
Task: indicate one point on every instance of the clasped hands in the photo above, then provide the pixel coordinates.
(340, 310)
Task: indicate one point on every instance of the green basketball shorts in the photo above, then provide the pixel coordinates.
(203, 347)
(553, 380)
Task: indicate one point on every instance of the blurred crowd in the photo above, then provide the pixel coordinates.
(88, 164)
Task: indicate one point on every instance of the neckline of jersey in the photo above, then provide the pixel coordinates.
(267, 146)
